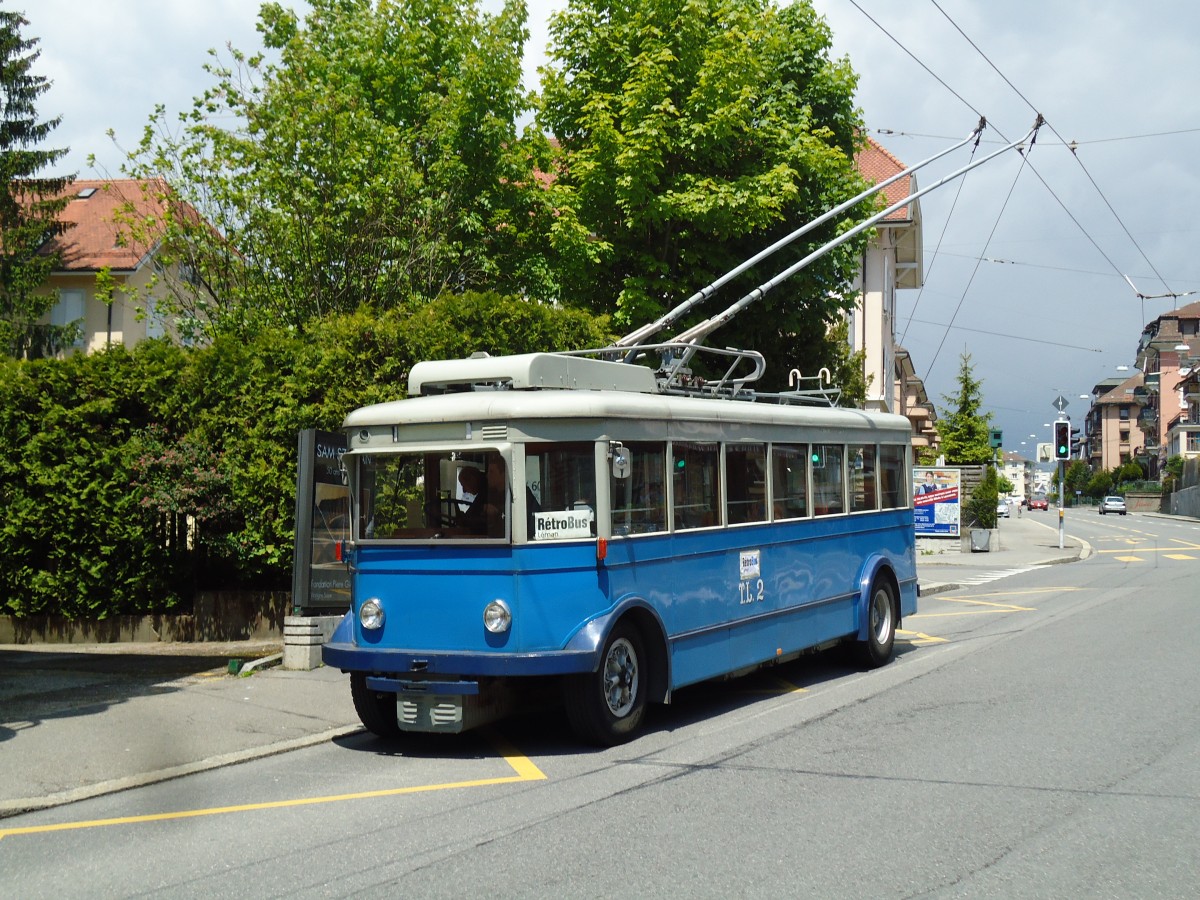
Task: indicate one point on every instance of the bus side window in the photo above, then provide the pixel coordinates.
(639, 502)
(694, 477)
(789, 478)
(891, 477)
(864, 493)
(829, 486)
(745, 483)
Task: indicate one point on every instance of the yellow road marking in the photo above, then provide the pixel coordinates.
(1130, 559)
(920, 638)
(1179, 556)
(1185, 545)
(523, 767)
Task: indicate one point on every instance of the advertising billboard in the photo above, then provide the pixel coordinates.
(937, 492)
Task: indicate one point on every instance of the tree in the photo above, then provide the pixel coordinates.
(375, 161)
(692, 135)
(963, 430)
(29, 205)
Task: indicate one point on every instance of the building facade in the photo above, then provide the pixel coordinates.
(892, 261)
(1168, 350)
(1111, 430)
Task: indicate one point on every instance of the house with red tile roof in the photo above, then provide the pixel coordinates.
(98, 239)
(893, 261)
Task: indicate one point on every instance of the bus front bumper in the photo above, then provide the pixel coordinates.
(396, 670)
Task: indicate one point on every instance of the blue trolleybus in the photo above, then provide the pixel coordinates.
(618, 529)
(558, 516)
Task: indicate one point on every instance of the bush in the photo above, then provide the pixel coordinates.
(981, 508)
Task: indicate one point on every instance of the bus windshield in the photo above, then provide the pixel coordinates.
(440, 494)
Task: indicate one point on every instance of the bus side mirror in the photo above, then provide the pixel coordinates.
(620, 462)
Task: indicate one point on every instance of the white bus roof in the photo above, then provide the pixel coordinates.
(511, 405)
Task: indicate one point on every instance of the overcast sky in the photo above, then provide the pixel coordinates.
(1046, 312)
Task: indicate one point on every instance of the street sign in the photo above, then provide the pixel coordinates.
(1044, 452)
(1061, 403)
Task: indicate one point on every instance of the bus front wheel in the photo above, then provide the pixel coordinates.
(376, 709)
(607, 706)
(881, 626)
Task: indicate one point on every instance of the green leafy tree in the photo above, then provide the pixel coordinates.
(1077, 479)
(1099, 484)
(692, 135)
(376, 160)
(29, 204)
(962, 427)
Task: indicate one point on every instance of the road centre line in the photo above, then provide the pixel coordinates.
(521, 765)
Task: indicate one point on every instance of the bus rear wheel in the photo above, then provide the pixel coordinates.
(607, 706)
(376, 709)
(876, 650)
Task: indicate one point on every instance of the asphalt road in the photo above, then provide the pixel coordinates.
(1037, 736)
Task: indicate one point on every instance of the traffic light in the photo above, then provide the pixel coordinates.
(1062, 440)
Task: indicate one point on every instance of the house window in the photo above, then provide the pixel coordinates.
(69, 310)
(155, 327)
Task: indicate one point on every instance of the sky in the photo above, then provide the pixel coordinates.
(1025, 258)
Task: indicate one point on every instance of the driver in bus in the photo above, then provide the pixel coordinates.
(484, 512)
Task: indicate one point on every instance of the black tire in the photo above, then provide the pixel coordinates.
(606, 707)
(376, 709)
(883, 614)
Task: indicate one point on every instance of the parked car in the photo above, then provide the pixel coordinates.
(1002, 509)
(1112, 505)
(1038, 501)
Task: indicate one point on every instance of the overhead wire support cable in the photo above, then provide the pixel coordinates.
(697, 332)
(638, 336)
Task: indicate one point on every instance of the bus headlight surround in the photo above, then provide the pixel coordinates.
(370, 614)
(497, 617)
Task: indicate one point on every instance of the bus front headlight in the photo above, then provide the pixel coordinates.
(497, 617)
(370, 614)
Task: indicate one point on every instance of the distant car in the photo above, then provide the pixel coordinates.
(1112, 505)
(1002, 509)
(1039, 502)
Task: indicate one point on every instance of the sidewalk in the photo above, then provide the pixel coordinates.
(1030, 539)
(79, 721)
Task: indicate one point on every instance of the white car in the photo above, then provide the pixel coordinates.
(1112, 505)
(1002, 509)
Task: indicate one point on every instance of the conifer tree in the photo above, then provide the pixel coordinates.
(963, 427)
(29, 204)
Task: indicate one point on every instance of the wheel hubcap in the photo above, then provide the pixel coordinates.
(881, 616)
(620, 678)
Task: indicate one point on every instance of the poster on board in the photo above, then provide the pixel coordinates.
(320, 581)
(937, 508)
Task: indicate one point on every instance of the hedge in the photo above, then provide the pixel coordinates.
(131, 479)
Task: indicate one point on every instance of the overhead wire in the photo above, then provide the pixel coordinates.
(1072, 147)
